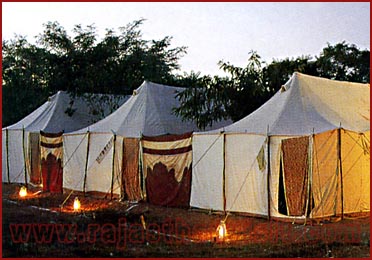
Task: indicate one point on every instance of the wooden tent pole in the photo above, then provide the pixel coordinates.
(7, 153)
(268, 174)
(141, 172)
(309, 176)
(341, 177)
(113, 167)
(122, 180)
(224, 174)
(24, 154)
(86, 164)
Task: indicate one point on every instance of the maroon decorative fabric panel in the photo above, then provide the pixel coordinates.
(295, 172)
(167, 163)
(163, 189)
(51, 148)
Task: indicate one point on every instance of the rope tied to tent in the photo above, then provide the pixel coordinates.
(69, 195)
(243, 183)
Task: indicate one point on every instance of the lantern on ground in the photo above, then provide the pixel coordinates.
(221, 231)
(77, 204)
(23, 192)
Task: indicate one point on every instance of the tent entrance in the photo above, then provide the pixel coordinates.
(293, 183)
(51, 148)
(282, 204)
(35, 171)
(131, 189)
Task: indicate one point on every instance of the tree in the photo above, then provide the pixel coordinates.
(279, 72)
(25, 76)
(246, 89)
(210, 99)
(204, 99)
(79, 63)
(344, 62)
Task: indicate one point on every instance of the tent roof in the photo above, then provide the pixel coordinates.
(308, 104)
(51, 117)
(149, 112)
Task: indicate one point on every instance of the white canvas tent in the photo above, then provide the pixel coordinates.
(20, 146)
(94, 155)
(303, 154)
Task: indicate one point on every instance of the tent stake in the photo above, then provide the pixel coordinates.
(86, 164)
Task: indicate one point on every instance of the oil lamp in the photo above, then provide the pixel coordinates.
(23, 192)
(221, 231)
(77, 204)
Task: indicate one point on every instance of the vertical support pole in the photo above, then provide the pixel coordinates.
(309, 176)
(39, 161)
(86, 164)
(224, 174)
(24, 154)
(113, 166)
(7, 153)
(268, 175)
(30, 155)
(142, 170)
(122, 181)
(340, 168)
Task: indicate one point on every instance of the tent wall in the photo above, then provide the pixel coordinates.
(74, 158)
(4, 156)
(246, 174)
(326, 185)
(207, 172)
(97, 173)
(356, 171)
(13, 158)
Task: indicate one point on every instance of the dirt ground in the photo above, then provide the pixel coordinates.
(37, 226)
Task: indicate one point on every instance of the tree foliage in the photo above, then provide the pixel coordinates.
(122, 60)
(79, 63)
(246, 89)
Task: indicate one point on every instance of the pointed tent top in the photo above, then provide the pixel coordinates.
(308, 104)
(150, 112)
(52, 117)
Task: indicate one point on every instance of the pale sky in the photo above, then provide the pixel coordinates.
(211, 31)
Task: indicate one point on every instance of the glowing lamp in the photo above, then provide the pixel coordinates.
(77, 204)
(23, 192)
(221, 230)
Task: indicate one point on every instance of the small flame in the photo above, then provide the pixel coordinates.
(23, 192)
(77, 204)
(221, 230)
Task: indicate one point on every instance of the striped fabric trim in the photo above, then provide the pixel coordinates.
(49, 145)
(168, 151)
(51, 135)
(167, 138)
